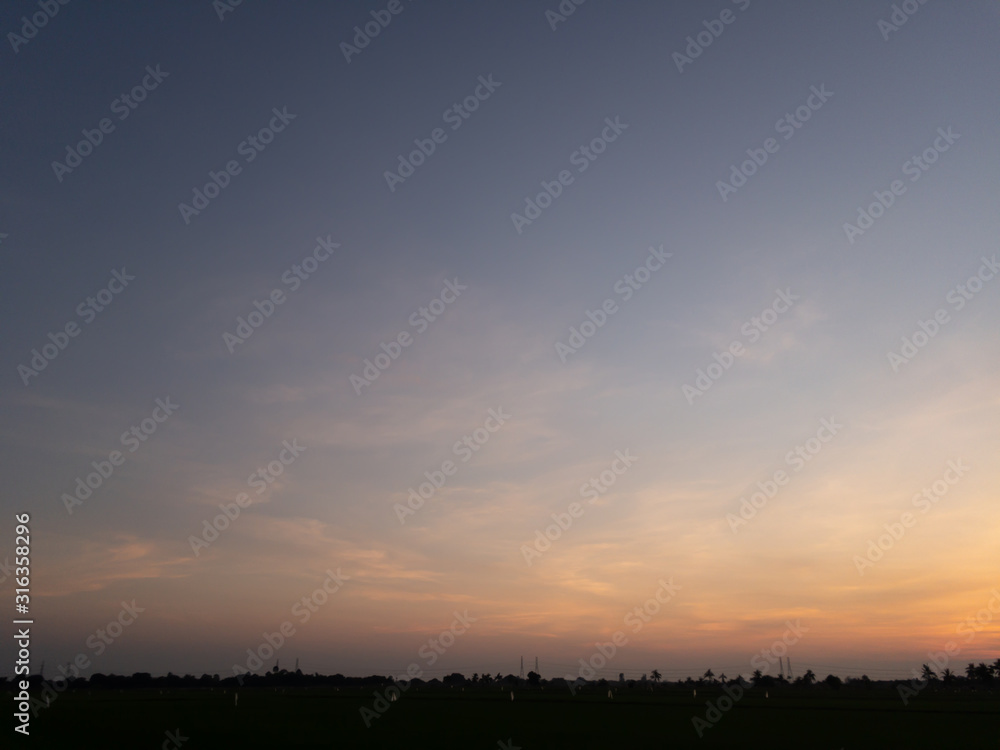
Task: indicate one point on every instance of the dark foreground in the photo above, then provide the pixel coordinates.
(300, 718)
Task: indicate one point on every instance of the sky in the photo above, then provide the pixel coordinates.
(451, 333)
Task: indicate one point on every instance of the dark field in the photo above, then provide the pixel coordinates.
(280, 718)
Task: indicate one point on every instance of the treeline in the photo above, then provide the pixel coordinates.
(142, 680)
(273, 678)
(976, 676)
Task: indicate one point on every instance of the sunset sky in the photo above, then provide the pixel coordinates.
(446, 281)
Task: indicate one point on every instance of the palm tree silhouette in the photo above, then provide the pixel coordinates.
(984, 673)
(655, 675)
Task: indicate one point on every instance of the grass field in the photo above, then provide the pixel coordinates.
(300, 718)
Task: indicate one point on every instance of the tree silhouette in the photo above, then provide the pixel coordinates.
(984, 673)
(947, 676)
(534, 679)
(655, 675)
(928, 674)
(709, 675)
(757, 674)
(809, 678)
